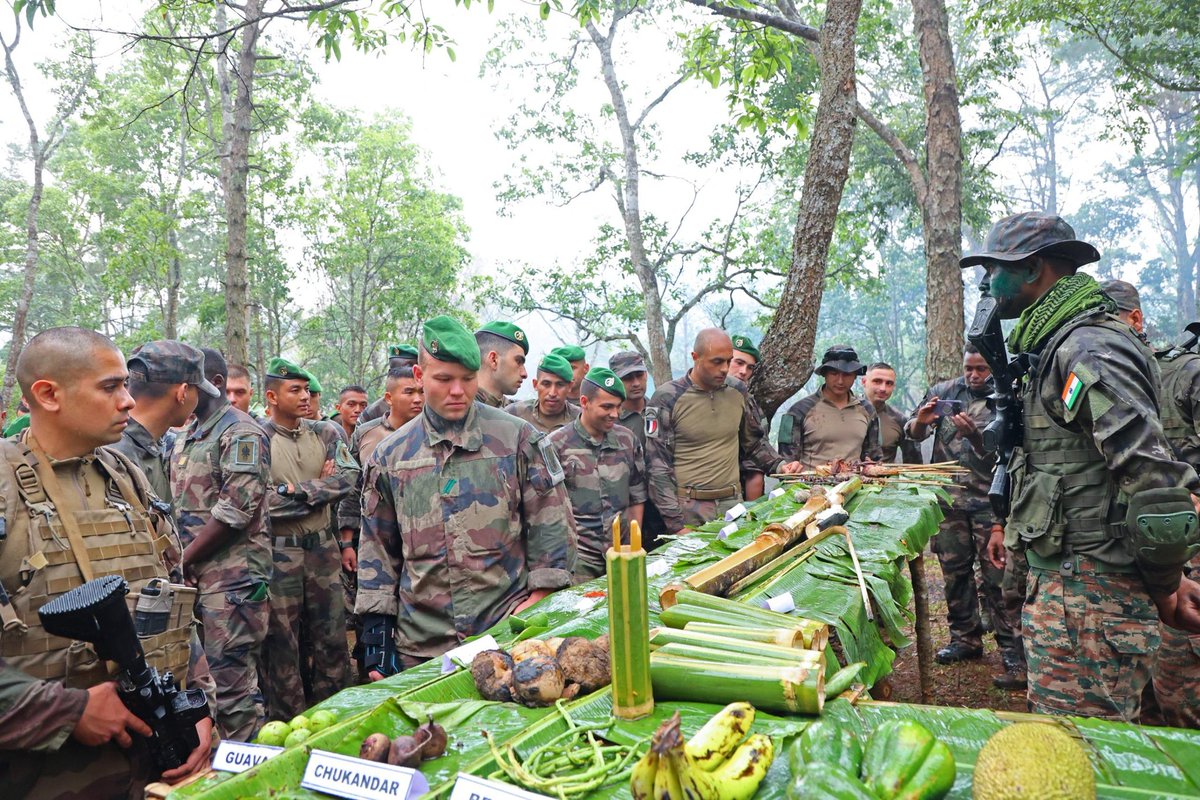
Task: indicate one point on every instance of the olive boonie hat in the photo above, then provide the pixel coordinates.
(1124, 294)
(607, 380)
(626, 363)
(571, 352)
(406, 351)
(556, 365)
(1032, 233)
(843, 358)
(170, 361)
(447, 340)
(507, 330)
(743, 344)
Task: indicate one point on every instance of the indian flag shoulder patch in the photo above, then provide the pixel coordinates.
(1071, 391)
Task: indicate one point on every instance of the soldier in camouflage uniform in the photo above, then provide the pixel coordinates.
(503, 348)
(742, 367)
(1177, 670)
(311, 469)
(399, 356)
(220, 476)
(1103, 511)
(605, 468)
(166, 379)
(465, 518)
(551, 409)
(64, 732)
(698, 429)
(239, 387)
(832, 423)
(631, 369)
(878, 385)
(963, 537)
(577, 358)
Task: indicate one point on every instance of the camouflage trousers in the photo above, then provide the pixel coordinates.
(1089, 642)
(698, 512)
(1177, 678)
(77, 771)
(960, 544)
(235, 628)
(306, 594)
(1012, 594)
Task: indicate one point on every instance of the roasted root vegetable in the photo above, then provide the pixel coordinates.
(492, 671)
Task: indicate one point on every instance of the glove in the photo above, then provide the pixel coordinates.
(379, 644)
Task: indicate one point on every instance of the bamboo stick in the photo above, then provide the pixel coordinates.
(734, 647)
(780, 690)
(724, 656)
(784, 637)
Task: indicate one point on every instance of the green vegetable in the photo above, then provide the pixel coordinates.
(539, 620)
(842, 679)
(827, 782)
(825, 742)
(904, 761)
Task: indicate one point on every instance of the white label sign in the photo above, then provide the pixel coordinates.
(657, 567)
(778, 491)
(735, 512)
(343, 776)
(728, 529)
(783, 604)
(461, 656)
(469, 787)
(241, 756)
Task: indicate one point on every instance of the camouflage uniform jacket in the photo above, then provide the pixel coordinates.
(460, 525)
(376, 410)
(294, 460)
(747, 465)
(634, 421)
(893, 438)
(529, 411)
(604, 477)
(971, 493)
(488, 399)
(1181, 404)
(815, 444)
(36, 715)
(661, 441)
(149, 454)
(221, 468)
(362, 445)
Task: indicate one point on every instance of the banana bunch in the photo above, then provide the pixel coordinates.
(715, 764)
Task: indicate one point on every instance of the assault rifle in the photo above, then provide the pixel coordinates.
(96, 612)
(1187, 342)
(1005, 430)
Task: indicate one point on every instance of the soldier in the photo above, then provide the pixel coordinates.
(631, 369)
(352, 402)
(19, 423)
(605, 468)
(969, 522)
(64, 732)
(465, 519)
(503, 348)
(575, 356)
(878, 384)
(550, 410)
(314, 393)
(696, 427)
(166, 379)
(239, 389)
(220, 476)
(832, 423)
(742, 367)
(1103, 512)
(311, 469)
(399, 355)
(1177, 670)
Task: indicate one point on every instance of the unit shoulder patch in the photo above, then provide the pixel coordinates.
(245, 453)
(651, 416)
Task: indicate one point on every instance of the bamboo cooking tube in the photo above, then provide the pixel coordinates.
(629, 625)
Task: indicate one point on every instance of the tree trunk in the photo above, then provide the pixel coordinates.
(235, 170)
(787, 347)
(21, 312)
(942, 210)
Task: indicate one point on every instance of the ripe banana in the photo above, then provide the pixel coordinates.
(738, 778)
(666, 781)
(641, 780)
(697, 783)
(713, 743)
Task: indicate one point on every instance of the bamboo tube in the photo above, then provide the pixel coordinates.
(797, 555)
(767, 617)
(723, 656)
(733, 647)
(784, 637)
(629, 625)
(780, 690)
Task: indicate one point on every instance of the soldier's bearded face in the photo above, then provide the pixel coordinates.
(1009, 283)
(742, 366)
(635, 385)
(552, 393)
(449, 387)
(96, 406)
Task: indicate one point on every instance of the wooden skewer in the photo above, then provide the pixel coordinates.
(862, 582)
(635, 535)
(616, 533)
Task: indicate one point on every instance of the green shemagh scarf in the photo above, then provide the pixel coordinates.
(1067, 298)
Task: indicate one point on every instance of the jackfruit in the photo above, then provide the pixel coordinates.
(1031, 760)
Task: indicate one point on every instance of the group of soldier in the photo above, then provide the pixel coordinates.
(426, 517)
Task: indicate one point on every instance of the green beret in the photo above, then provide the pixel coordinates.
(403, 351)
(506, 330)
(607, 380)
(16, 426)
(447, 340)
(556, 365)
(285, 370)
(314, 386)
(743, 344)
(571, 352)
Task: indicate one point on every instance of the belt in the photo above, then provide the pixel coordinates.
(1073, 565)
(692, 493)
(305, 541)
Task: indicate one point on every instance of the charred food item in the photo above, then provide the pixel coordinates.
(435, 739)
(530, 648)
(583, 664)
(492, 671)
(538, 681)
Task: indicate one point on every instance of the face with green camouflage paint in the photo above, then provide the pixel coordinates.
(1009, 284)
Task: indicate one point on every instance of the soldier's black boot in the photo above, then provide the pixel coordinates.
(1013, 676)
(958, 651)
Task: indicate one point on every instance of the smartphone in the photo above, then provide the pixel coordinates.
(948, 408)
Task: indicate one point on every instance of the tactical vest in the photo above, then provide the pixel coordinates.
(1064, 496)
(1179, 431)
(119, 539)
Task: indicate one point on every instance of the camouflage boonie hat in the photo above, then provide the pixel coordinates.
(626, 363)
(405, 351)
(571, 352)
(607, 380)
(447, 340)
(170, 361)
(1032, 233)
(507, 330)
(843, 358)
(556, 365)
(1124, 294)
(743, 344)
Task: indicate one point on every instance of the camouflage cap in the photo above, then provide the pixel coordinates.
(447, 340)
(1124, 294)
(556, 365)
(626, 363)
(843, 358)
(170, 361)
(571, 352)
(285, 370)
(607, 380)
(743, 344)
(1032, 233)
(507, 330)
(406, 351)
